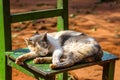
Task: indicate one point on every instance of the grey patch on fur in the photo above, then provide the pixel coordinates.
(66, 37)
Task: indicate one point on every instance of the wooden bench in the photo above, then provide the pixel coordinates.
(40, 71)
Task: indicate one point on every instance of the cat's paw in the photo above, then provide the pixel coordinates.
(38, 60)
(19, 62)
(53, 66)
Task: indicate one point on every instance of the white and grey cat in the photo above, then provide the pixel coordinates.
(67, 48)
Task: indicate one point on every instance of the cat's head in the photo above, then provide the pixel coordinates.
(41, 38)
(37, 44)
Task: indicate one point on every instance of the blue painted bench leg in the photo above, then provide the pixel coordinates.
(108, 70)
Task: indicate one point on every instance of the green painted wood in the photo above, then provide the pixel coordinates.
(2, 46)
(63, 19)
(24, 69)
(45, 70)
(62, 76)
(8, 69)
(50, 77)
(65, 75)
(5, 38)
(108, 70)
(59, 76)
(18, 17)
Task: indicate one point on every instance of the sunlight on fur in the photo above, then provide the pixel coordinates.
(65, 47)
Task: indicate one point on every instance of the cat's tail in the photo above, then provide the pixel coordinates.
(67, 63)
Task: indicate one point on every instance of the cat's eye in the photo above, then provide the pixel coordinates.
(43, 44)
(30, 39)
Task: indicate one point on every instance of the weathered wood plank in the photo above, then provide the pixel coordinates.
(5, 40)
(25, 70)
(19, 17)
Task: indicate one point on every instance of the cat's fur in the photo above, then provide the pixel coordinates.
(67, 48)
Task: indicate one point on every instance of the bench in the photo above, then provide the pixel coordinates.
(40, 71)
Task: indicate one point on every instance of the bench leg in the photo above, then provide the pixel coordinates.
(8, 73)
(108, 71)
(65, 75)
(8, 70)
(62, 76)
(52, 77)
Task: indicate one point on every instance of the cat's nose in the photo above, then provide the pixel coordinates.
(46, 52)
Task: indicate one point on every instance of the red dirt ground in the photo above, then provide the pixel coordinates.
(101, 21)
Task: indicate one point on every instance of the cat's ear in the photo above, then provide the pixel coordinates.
(44, 36)
(27, 41)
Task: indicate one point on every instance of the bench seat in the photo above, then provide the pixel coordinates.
(43, 69)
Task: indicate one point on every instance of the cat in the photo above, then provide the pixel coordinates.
(66, 48)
